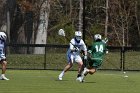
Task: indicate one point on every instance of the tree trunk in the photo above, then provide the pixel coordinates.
(8, 25)
(80, 15)
(106, 21)
(137, 20)
(41, 37)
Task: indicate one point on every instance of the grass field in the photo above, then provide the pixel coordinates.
(45, 81)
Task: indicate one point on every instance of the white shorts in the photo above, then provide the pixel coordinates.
(73, 58)
(2, 56)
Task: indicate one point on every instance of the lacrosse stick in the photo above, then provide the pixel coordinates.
(61, 32)
(105, 40)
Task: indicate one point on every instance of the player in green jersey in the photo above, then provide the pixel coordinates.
(95, 56)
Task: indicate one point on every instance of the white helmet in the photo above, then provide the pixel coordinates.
(97, 37)
(78, 35)
(3, 36)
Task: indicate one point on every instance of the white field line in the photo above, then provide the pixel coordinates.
(122, 75)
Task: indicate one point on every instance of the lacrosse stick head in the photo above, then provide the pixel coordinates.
(105, 40)
(61, 32)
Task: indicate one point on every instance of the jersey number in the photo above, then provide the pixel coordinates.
(99, 48)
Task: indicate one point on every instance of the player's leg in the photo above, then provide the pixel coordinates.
(87, 70)
(87, 65)
(80, 69)
(79, 61)
(84, 73)
(3, 64)
(91, 71)
(94, 65)
(67, 67)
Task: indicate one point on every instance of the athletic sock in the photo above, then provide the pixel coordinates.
(62, 74)
(2, 74)
(78, 75)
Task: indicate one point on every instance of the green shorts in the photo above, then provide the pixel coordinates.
(94, 63)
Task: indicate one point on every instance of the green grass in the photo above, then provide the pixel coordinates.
(45, 81)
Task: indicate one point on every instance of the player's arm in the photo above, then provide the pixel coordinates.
(85, 55)
(84, 48)
(91, 50)
(90, 54)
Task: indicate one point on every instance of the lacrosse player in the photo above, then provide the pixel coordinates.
(73, 54)
(3, 61)
(95, 56)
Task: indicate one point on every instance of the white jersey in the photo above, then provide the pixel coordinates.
(2, 50)
(75, 55)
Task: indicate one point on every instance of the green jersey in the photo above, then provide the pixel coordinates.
(98, 50)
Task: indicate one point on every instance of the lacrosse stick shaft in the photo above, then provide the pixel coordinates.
(62, 33)
(71, 43)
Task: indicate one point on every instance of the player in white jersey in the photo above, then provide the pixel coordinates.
(3, 61)
(73, 54)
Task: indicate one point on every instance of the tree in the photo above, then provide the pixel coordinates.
(3, 25)
(41, 37)
(80, 16)
(106, 20)
(121, 21)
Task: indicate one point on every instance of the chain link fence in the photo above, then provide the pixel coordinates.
(21, 56)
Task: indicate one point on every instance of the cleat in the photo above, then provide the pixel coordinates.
(81, 79)
(2, 77)
(60, 77)
(78, 78)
